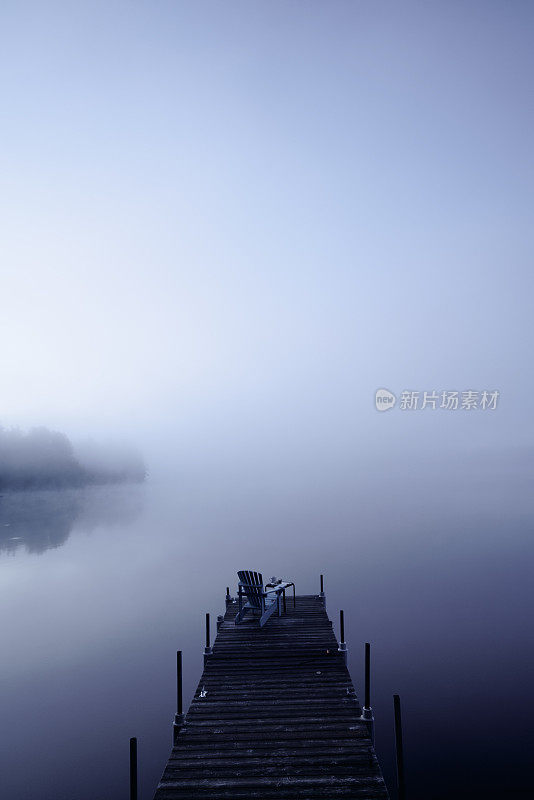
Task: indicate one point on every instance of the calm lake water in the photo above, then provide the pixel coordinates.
(433, 565)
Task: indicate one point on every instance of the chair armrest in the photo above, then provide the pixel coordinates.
(260, 589)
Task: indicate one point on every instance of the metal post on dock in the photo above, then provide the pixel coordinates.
(228, 596)
(342, 644)
(207, 650)
(367, 711)
(133, 768)
(322, 594)
(401, 787)
(179, 716)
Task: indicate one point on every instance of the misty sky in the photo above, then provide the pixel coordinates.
(231, 222)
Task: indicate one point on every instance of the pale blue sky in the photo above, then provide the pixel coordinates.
(236, 220)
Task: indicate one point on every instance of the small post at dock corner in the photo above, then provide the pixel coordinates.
(179, 716)
(207, 650)
(220, 620)
(367, 711)
(133, 768)
(228, 596)
(401, 787)
(322, 594)
(343, 649)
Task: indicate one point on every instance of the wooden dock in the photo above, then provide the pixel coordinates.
(275, 715)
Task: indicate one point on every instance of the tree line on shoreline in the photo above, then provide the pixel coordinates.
(44, 459)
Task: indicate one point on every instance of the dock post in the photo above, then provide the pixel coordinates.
(401, 788)
(133, 768)
(322, 594)
(342, 644)
(367, 711)
(220, 620)
(179, 716)
(207, 650)
(228, 596)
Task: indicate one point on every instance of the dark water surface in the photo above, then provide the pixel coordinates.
(433, 565)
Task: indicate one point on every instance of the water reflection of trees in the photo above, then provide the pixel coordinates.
(39, 520)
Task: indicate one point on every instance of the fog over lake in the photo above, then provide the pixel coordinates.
(437, 577)
(225, 226)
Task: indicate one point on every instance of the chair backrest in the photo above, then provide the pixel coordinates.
(252, 586)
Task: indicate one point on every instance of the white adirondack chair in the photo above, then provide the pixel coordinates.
(259, 600)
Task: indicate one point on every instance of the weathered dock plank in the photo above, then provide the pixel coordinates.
(274, 715)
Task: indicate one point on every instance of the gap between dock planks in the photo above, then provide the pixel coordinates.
(274, 716)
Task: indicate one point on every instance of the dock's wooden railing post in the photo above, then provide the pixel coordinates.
(228, 596)
(367, 711)
(401, 787)
(133, 768)
(208, 650)
(179, 716)
(220, 620)
(321, 593)
(343, 649)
